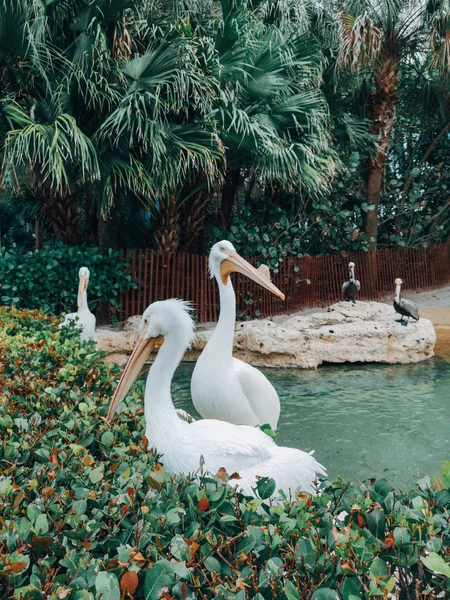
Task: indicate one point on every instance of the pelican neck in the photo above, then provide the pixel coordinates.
(159, 408)
(84, 303)
(397, 293)
(224, 331)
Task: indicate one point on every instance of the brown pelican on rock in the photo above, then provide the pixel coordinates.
(404, 307)
(352, 286)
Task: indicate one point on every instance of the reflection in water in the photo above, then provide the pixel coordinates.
(362, 420)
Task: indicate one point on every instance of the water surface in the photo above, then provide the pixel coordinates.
(363, 421)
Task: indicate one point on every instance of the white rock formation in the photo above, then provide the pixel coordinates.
(361, 332)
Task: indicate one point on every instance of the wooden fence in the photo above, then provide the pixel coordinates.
(308, 282)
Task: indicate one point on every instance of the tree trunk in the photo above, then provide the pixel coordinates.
(64, 218)
(167, 237)
(37, 234)
(381, 105)
(101, 231)
(194, 213)
(229, 194)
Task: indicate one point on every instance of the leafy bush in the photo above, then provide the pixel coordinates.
(87, 512)
(48, 279)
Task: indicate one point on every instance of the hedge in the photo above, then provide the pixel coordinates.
(87, 512)
(47, 279)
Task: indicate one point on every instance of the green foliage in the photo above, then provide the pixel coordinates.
(48, 278)
(87, 512)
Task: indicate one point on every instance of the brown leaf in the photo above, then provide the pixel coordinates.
(221, 474)
(42, 540)
(18, 499)
(17, 567)
(112, 468)
(47, 491)
(137, 557)
(235, 476)
(112, 564)
(88, 461)
(203, 504)
(131, 492)
(129, 582)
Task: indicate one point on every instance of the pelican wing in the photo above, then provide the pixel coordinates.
(410, 307)
(231, 446)
(260, 393)
(345, 285)
(358, 285)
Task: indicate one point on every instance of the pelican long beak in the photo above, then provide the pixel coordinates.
(140, 354)
(81, 289)
(235, 263)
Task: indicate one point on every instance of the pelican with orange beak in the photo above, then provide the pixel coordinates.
(85, 320)
(224, 387)
(186, 447)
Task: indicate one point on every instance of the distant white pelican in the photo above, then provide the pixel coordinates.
(352, 286)
(183, 446)
(85, 320)
(224, 387)
(406, 308)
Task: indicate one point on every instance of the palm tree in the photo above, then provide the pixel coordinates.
(376, 41)
(273, 117)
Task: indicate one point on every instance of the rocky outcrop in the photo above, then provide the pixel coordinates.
(361, 332)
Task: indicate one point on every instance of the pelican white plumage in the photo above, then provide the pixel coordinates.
(238, 448)
(224, 387)
(404, 307)
(85, 320)
(351, 287)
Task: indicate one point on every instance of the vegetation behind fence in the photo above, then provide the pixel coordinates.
(307, 282)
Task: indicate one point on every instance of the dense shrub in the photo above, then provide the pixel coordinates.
(48, 279)
(87, 512)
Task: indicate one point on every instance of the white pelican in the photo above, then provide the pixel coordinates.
(352, 286)
(183, 446)
(224, 387)
(406, 308)
(85, 320)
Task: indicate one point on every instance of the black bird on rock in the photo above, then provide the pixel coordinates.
(351, 287)
(404, 307)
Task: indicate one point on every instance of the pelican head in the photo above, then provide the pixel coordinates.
(224, 260)
(398, 281)
(83, 274)
(158, 320)
(351, 265)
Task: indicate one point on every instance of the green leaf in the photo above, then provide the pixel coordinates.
(108, 438)
(291, 591)
(266, 487)
(96, 474)
(212, 564)
(155, 579)
(41, 525)
(350, 587)
(436, 563)
(376, 522)
(107, 586)
(323, 593)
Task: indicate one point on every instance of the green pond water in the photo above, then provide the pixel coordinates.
(390, 421)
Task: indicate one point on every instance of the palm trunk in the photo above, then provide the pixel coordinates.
(194, 213)
(167, 237)
(63, 215)
(381, 106)
(229, 194)
(101, 231)
(37, 234)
